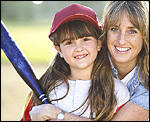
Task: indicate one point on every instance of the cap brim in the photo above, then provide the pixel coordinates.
(76, 17)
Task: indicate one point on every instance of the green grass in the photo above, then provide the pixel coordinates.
(32, 39)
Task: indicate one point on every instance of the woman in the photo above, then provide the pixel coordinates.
(126, 36)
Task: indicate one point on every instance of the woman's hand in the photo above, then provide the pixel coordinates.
(44, 112)
(131, 112)
(49, 112)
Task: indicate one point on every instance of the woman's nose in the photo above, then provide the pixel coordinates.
(122, 38)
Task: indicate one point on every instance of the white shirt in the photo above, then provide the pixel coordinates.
(78, 93)
(128, 77)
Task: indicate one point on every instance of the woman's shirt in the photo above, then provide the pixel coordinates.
(138, 94)
(78, 92)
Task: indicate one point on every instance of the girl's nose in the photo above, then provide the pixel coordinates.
(79, 47)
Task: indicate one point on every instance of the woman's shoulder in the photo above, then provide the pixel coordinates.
(140, 96)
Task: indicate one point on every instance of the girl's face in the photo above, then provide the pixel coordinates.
(124, 41)
(80, 53)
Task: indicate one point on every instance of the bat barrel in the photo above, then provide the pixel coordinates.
(20, 63)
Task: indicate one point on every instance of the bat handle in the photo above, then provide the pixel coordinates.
(43, 99)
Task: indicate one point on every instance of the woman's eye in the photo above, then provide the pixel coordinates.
(132, 31)
(114, 29)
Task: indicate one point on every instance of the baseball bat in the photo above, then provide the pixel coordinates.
(20, 63)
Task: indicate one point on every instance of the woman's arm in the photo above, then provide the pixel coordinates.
(49, 112)
(72, 117)
(131, 112)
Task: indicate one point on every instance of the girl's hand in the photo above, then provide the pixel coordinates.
(44, 112)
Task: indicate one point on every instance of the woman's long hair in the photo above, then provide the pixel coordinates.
(101, 97)
(138, 13)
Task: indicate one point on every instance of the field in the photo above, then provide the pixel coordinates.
(14, 91)
(33, 41)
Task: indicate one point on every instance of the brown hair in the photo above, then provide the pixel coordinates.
(101, 97)
(138, 13)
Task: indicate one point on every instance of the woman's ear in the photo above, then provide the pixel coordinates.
(59, 51)
(99, 45)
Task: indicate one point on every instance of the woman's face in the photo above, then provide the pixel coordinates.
(124, 41)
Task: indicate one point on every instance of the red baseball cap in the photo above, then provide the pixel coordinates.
(74, 12)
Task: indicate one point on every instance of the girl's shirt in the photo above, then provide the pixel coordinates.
(78, 92)
(138, 94)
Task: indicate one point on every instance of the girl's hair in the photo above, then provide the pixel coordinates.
(138, 13)
(101, 97)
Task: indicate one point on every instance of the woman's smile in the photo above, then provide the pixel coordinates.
(122, 49)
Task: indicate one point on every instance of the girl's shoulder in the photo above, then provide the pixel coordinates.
(26, 116)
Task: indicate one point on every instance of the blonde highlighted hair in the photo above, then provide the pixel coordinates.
(138, 14)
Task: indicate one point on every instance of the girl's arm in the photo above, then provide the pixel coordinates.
(131, 112)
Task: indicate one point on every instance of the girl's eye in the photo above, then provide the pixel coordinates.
(86, 39)
(68, 43)
(132, 31)
(114, 29)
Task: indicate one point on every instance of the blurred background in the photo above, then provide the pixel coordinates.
(29, 24)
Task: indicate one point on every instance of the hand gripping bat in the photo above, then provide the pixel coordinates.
(20, 63)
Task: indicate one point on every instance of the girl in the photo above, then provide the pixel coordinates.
(79, 82)
(126, 36)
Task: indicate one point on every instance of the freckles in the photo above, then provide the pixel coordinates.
(110, 36)
(133, 39)
(109, 39)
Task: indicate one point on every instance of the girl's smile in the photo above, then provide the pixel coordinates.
(80, 53)
(80, 56)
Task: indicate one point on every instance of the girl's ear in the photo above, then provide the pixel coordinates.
(99, 45)
(57, 48)
(59, 51)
